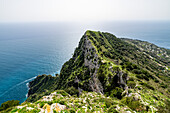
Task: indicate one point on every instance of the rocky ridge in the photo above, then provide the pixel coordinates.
(131, 76)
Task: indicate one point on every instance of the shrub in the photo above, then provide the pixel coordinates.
(63, 102)
(164, 109)
(129, 91)
(136, 71)
(14, 110)
(156, 80)
(72, 111)
(50, 102)
(134, 105)
(62, 92)
(131, 79)
(109, 102)
(147, 85)
(163, 85)
(42, 104)
(9, 104)
(117, 92)
(112, 109)
(72, 91)
(131, 84)
(142, 76)
(139, 87)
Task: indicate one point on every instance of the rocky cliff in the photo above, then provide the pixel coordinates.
(83, 72)
(135, 73)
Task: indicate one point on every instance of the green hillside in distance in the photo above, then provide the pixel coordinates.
(111, 74)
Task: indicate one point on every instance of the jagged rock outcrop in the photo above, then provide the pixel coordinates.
(81, 72)
(91, 59)
(135, 72)
(108, 65)
(121, 79)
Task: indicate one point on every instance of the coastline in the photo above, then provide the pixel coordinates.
(27, 84)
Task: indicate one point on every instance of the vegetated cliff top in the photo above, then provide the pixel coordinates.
(154, 50)
(131, 72)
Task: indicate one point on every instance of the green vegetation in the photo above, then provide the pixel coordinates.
(117, 92)
(128, 74)
(42, 85)
(8, 104)
(87, 102)
(133, 104)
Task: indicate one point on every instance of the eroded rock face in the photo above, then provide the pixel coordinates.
(121, 79)
(91, 60)
(80, 73)
(90, 54)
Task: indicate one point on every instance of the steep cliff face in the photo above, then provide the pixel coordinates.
(91, 60)
(84, 67)
(83, 72)
(87, 65)
(114, 67)
(41, 86)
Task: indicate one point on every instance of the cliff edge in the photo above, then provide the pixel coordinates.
(132, 71)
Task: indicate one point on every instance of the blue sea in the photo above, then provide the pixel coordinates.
(31, 49)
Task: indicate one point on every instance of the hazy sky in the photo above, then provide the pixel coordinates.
(83, 10)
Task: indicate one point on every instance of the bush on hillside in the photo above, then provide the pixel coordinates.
(131, 84)
(72, 91)
(134, 105)
(112, 109)
(9, 104)
(117, 92)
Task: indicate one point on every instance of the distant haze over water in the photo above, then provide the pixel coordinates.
(30, 49)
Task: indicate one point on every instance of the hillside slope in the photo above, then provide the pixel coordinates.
(132, 73)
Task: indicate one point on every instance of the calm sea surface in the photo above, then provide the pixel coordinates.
(31, 49)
